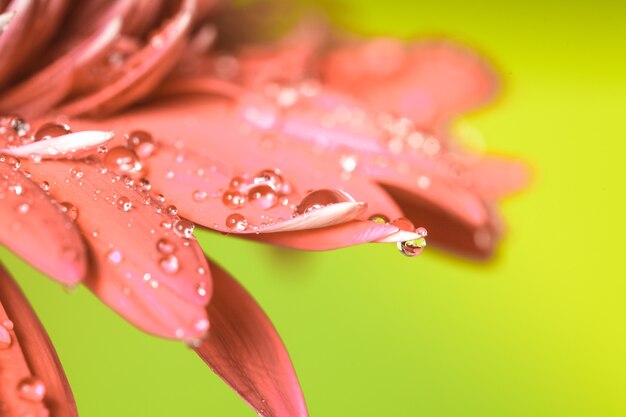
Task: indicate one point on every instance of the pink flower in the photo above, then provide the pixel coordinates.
(301, 143)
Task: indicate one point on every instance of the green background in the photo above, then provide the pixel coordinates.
(539, 331)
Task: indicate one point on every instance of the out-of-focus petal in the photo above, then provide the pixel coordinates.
(244, 349)
(142, 71)
(426, 82)
(53, 82)
(34, 226)
(19, 29)
(146, 264)
(32, 381)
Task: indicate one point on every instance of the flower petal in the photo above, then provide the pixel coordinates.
(23, 14)
(244, 349)
(53, 82)
(34, 227)
(141, 72)
(427, 82)
(32, 381)
(146, 265)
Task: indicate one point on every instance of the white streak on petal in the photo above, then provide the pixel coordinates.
(62, 146)
(5, 18)
(329, 215)
(399, 236)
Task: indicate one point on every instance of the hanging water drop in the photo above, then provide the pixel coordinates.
(413, 247)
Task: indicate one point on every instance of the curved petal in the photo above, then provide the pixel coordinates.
(244, 349)
(141, 72)
(146, 264)
(34, 227)
(32, 381)
(427, 82)
(12, 35)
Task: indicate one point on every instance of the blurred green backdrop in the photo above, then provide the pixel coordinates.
(540, 331)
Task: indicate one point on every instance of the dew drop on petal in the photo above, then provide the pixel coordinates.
(262, 197)
(236, 222)
(199, 196)
(5, 337)
(122, 161)
(70, 210)
(51, 130)
(19, 125)
(169, 264)
(184, 228)
(31, 389)
(172, 210)
(421, 231)
(201, 289)
(115, 257)
(123, 203)
(8, 324)
(236, 182)
(23, 208)
(320, 198)
(233, 199)
(141, 142)
(271, 177)
(165, 246)
(379, 218)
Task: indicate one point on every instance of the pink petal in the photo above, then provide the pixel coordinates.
(34, 227)
(427, 82)
(13, 34)
(141, 72)
(32, 381)
(52, 83)
(145, 263)
(334, 237)
(244, 349)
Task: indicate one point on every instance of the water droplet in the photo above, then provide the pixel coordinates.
(115, 257)
(144, 185)
(169, 264)
(8, 324)
(5, 338)
(11, 161)
(235, 183)
(141, 142)
(122, 161)
(123, 203)
(320, 198)
(271, 177)
(200, 196)
(45, 185)
(32, 389)
(202, 325)
(262, 197)
(379, 218)
(201, 289)
(184, 228)
(165, 246)
(421, 231)
(51, 130)
(233, 199)
(70, 210)
(172, 210)
(412, 248)
(19, 125)
(236, 222)
(348, 163)
(23, 208)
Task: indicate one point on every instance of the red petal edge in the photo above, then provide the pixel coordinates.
(244, 349)
(26, 354)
